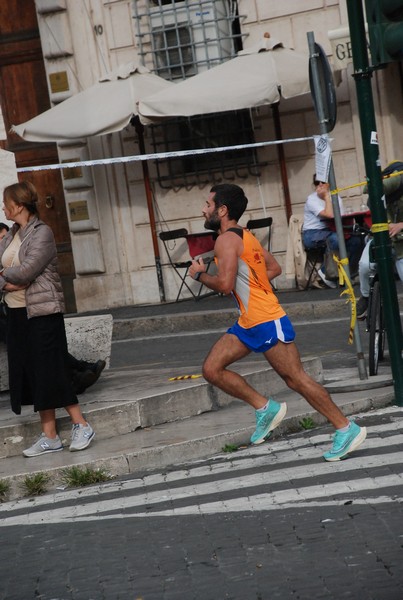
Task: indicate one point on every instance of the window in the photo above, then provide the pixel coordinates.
(173, 52)
(178, 39)
(210, 131)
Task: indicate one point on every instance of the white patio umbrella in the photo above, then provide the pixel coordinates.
(106, 107)
(257, 76)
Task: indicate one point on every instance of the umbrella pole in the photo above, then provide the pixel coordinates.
(140, 134)
(281, 157)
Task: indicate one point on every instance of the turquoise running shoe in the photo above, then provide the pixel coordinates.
(268, 420)
(345, 442)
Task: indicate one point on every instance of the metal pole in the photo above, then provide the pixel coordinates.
(140, 135)
(281, 157)
(382, 244)
(362, 371)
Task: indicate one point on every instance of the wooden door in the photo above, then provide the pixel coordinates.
(23, 95)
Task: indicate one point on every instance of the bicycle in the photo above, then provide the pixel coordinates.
(375, 324)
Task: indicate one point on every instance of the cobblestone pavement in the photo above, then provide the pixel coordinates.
(267, 522)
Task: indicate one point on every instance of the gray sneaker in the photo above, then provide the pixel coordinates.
(44, 445)
(81, 437)
(328, 282)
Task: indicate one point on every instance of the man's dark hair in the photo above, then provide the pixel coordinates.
(4, 226)
(315, 180)
(232, 196)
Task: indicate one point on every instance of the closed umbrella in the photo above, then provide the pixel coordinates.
(106, 107)
(258, 76)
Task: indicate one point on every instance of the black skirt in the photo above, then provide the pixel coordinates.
(38, 364)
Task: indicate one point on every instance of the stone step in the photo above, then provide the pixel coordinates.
(176, 443)
(124, 401)
(220, 318)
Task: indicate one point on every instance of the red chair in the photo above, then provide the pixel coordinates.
(198, 244)
(201, 243)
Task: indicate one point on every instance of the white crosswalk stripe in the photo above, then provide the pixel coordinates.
(290, 471)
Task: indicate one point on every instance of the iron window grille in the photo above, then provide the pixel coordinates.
(221, 129)
(178, 39)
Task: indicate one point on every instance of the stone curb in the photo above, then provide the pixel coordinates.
(180, 452)
(114, 413)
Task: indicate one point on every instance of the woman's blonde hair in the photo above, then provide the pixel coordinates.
(23, 193)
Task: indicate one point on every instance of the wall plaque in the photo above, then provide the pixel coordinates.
(72, 172)
(79, 211)
(59, 82)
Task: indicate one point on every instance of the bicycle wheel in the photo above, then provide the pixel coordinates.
(376, 331)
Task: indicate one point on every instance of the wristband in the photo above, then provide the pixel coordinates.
(197, 276)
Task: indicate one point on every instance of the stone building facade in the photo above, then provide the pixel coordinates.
(111, 240)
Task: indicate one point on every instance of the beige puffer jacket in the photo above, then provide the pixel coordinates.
(38, 268)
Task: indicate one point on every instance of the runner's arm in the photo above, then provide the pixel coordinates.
(273, 269)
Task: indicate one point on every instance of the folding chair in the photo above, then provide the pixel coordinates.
(314, 260)
(253, 224)
(200, 244)
(181, 268)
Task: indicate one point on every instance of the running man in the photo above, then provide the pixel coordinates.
(245, 269)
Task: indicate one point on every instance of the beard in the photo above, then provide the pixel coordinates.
(213, 222)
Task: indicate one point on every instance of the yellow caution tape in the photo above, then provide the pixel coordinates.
(349, 292)
(378, 227)
(182, 377)
(348, 187)
(362, 183)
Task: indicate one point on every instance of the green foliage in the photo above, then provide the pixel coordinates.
(230, 448)
(81, 476)
(4, 489)
(35, 485)
(307, 423)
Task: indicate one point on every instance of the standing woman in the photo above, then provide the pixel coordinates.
(36, 339)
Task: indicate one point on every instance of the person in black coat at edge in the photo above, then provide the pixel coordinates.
(83, 373)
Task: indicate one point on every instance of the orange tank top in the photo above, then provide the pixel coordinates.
(253, 292)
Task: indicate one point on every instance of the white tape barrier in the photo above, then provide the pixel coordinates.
(156, 156)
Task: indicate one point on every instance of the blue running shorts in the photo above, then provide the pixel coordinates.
(266, 335)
